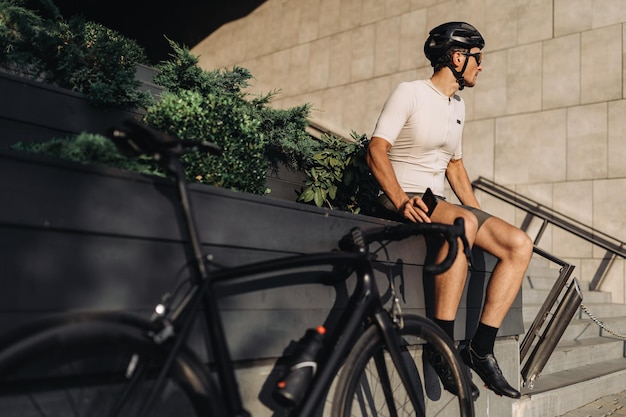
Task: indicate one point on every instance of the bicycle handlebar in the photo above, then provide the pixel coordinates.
(358, 240)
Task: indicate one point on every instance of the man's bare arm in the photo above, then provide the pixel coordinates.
(460, 183)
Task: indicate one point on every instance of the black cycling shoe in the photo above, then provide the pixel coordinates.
(444, 372)
(489, 371)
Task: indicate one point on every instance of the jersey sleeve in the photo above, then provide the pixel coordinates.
(394, 114)
(458, 152)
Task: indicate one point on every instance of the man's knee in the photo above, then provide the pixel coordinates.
(521, 243)
(471, 225)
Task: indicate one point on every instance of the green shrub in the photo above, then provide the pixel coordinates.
(89, 149)
(225, 120)
(76, 54)
(340, 178)
(213, 105)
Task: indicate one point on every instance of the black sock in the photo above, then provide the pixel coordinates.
(484, 339)
(447, 326)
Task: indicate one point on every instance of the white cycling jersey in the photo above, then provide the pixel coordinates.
(424, 127)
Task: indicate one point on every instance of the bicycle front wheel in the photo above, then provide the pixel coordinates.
(97, 369)
(369, 384)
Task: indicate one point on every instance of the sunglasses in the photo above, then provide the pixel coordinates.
(478, 56)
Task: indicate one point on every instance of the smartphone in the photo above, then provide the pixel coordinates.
(430, 200)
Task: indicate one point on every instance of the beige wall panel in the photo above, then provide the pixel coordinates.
(286, 25)
(531, 148)
(568, 246)
(319, 72)
(617, 139)
(608, 12)
(372, 11)
(309, 20)
(609, 208)
(478, 148)
(561, 87)
(340, 62)
(587, 142)
(601, 64)
(572, 16)
(329, 17)
(623, 61)
(413, 32)
(534, 20)
(491, 88)
(524, 79)
(543, 195)
(350, 14)
(500, 26)
(363, 41)
(387, 46)
(574, 199)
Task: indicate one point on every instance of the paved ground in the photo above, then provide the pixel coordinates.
(612, 405)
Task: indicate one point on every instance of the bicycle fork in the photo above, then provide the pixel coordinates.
(394, 347)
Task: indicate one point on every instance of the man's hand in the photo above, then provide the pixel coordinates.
(416, 210)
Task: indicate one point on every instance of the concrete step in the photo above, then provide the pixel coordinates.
(557, 393)
(570, 354)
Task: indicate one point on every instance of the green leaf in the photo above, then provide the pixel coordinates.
(319, 198)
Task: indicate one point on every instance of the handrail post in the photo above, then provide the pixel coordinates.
(526, 223)
(542, 229)
(598, 277)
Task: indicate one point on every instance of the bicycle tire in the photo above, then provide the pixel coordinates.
(361, 392)
(80, 369)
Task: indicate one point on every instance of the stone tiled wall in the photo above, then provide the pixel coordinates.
(546, 117)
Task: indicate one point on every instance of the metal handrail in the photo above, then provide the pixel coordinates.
(614, 247)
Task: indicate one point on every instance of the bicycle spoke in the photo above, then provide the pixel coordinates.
(385, 383)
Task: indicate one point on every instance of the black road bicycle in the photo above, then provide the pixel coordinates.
(120, 364)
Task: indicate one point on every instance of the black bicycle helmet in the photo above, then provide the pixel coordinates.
(449, 35)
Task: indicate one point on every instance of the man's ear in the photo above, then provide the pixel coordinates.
(456, 59)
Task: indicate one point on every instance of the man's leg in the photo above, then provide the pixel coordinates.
(449, 285)
(448, 289)
(513, 248)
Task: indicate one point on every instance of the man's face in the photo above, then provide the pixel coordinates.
(474, 60)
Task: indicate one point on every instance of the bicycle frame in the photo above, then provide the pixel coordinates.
(363, 304)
